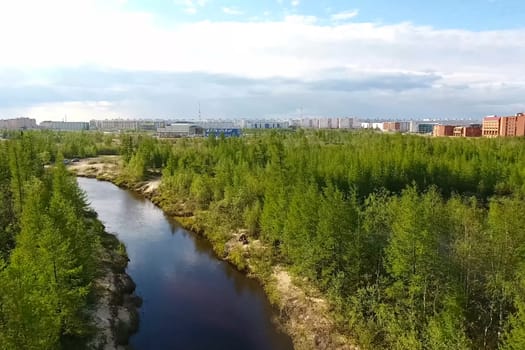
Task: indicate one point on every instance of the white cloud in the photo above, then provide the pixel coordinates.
(345, 15)
(299, 19)
(232, 11)
(62, 33)
(65, 34)
(296, 3)
(75, 111)
(191, 6)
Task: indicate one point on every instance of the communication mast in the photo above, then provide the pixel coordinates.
(199, 111)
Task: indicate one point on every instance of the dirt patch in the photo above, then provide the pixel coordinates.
(108, 168)
(304, 313)
(150, 187)
(307, 317)
(104, 167)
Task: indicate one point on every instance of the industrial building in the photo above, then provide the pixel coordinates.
(180, 130)
(425, 128)
(226, 132)
(264, 124)
(213, 123)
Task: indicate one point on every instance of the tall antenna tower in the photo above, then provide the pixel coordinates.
(199, 110)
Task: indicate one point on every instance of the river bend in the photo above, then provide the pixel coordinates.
(192, 300)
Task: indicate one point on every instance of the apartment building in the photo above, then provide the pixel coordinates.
(512, 125)
(18, 123)
(494, 126)
(491, 126)
(64, 126)
(327, 123)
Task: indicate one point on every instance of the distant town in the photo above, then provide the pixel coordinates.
(490, 126)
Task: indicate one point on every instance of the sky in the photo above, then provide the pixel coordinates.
(85, 59)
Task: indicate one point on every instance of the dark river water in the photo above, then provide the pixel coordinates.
(192, 300)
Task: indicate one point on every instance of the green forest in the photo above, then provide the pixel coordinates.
(49, 242)
(418, 242)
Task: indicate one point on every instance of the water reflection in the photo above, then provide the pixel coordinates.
(191, 299)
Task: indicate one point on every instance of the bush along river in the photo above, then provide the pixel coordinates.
(191, 299)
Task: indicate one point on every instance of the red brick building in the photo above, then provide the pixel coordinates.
(392, 126)
(505, 126)
(468, 131)
(443, 130)
(520, 124)
(472, 131)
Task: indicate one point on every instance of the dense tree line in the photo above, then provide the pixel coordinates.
(48, 245)
(69, 144)
(418, 242)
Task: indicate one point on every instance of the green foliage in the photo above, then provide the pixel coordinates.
(141, 154)
(252, 215)
(514, 337)
(49, 252)
(201, 191)
(446, 329)
(237, 257)
(416, 241)
(126, 147)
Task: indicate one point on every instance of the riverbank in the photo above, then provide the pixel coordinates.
(115, 313)
(304, 314)
(115, 309)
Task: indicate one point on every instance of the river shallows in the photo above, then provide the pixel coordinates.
(192, 300)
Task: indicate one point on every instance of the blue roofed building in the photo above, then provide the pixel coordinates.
(227, 132)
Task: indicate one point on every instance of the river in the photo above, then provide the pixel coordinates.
(192, 300)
